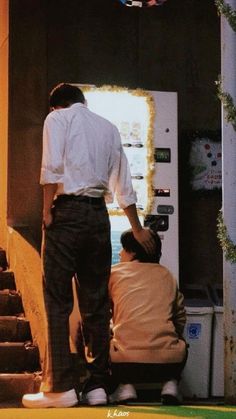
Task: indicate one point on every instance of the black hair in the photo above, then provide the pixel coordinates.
(130, 244)
(65, 95)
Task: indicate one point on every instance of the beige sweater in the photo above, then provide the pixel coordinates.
(148, 314)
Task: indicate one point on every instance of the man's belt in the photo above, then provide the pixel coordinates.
(81, 198)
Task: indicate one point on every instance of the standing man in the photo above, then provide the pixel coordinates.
(83, 166)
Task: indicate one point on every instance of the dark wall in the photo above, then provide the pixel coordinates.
(27, 109)
(175, 47)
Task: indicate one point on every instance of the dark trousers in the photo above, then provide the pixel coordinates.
(77, 242)
(133, 372)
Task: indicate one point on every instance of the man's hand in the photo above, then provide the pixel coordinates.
(145, 237)
(49, 191)
(47, 219)
(142, 234)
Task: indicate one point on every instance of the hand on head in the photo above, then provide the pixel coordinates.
(146, 239)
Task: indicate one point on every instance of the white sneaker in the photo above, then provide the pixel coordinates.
(94, 397)
(170, 394)
(41, 400)
(123, 392)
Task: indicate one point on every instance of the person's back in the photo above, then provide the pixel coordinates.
(147, 322)
(89, 153)
(144, 328)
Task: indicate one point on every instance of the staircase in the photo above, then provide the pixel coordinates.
(19, 357)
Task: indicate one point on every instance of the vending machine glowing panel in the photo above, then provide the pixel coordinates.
(147, 122)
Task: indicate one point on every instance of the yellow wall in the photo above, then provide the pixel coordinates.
(24, 260)
(4, 48)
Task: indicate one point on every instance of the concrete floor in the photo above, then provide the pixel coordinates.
(206, 410)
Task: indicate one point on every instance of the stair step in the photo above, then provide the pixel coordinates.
(14, 386)
(14, 329)
(10, 303)
(19, 357)
(7, 280)
(3, 259)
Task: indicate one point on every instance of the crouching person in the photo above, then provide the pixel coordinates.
(148, 319)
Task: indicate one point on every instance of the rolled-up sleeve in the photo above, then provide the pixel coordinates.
(120, 182)
(54, 132)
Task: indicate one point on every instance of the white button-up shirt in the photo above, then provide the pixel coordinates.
(83, 155)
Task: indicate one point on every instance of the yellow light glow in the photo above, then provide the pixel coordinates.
(133, 112)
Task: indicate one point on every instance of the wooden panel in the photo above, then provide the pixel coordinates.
(3, 21)
(28, 107)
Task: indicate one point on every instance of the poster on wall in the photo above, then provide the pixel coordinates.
(206, 163)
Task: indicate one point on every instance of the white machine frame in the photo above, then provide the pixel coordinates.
(165, 209)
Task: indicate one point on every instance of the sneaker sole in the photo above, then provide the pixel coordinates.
(123, 401)
(35, 405)
(44, 406)
(127, 398)
(97, 402)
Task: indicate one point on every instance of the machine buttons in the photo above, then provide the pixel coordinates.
(165, 209)
(157, 222)
(162, 155)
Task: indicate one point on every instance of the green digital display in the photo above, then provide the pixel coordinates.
(162, 155)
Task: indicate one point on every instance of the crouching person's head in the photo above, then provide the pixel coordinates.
(132, 250)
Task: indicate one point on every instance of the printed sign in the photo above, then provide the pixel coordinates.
(206, 162)
(194, 330)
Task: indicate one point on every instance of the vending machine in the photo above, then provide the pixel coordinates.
(165, 180)
(147, 122)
